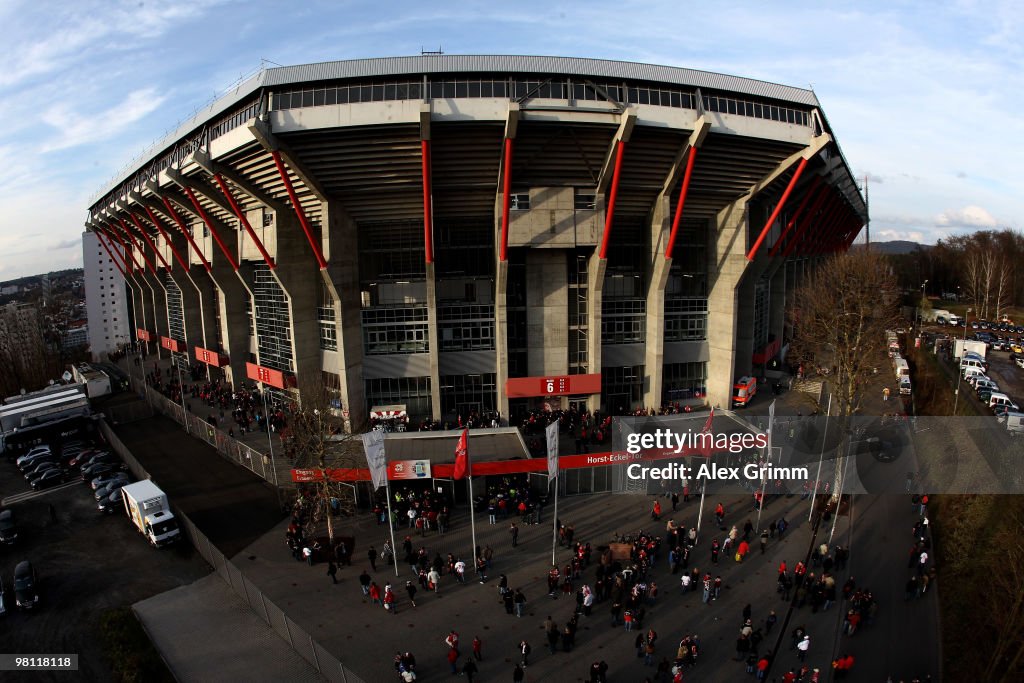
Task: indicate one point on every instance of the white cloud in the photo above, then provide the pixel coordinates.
(76, 128)
(907, 235)
(967, 217)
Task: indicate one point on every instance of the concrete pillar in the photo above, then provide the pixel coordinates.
(547, 312)
(341, 250)
(727, 262)
(777, 302)
(654, 349)
(433, 343)
(158, 304)
(298, 274)
(595, 291)
(501, 335)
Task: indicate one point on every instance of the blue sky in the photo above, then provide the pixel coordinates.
(925, 98)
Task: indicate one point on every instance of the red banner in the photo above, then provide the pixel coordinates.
(143, 335)
(769, 351)
(213, 358)
(274, 378)
(172, 344)
(518, 466)
(556, 385)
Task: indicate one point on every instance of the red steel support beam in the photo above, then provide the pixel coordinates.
(99, 238)
(152, 245)
(826, 227)
(135, 264)
(167, 238)
(428, 211)
(245, 222)
(142, 252)
(778, 209)
(185, 231)
(317, 251)
(506, 188)
(823, 201)
(812, 191)
(690, 157)
(213, 231)
(609, 211)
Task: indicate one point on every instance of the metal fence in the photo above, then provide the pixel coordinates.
(296, 637)
(232, 449)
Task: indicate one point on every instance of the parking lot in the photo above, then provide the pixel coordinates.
(86, 563)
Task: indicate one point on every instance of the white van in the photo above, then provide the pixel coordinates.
(1015, 423)
(1002, 400)
(905, 387)
(902, 369)
(969, 363)
(970, 373)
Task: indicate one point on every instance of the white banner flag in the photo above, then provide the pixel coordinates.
(771, 427)
(552, 437)
(376, 459)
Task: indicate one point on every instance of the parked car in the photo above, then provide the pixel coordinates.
(92, 471)
(108, 489)
(111, 503)
(26, 595)
(104, 479)
(1019, 362)
(49, 478)
(97, 458)
(26, 461)
(8, 527)
(39, 468)
(87, 456)
(986, 384)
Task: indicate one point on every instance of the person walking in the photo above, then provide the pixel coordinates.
(514, 530)
(802, 647)
(410, 588)
(469, 670)
(524, 654)
(520, 602)
(364, 582)
(332, 571)
(764, 540)
(478, 649)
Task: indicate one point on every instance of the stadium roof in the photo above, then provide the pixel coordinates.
(462, 64)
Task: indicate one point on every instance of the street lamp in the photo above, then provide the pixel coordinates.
(956, 394)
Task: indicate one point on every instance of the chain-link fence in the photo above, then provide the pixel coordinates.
(297, 637)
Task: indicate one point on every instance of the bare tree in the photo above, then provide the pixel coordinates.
(843, 311)
(1004, 289)
(316, 438)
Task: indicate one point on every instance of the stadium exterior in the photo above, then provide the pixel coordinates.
(443, 234)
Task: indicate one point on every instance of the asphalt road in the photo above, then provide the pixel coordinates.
(86, 563)
(228, 503)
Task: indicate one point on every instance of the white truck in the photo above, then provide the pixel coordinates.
(961, 345)
(149, 511)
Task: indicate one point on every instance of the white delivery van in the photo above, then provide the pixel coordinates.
(905, 387)
(997, 400)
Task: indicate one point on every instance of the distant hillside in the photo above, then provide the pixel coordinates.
(896, 247)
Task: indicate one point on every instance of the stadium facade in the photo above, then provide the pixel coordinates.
(442, 234)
